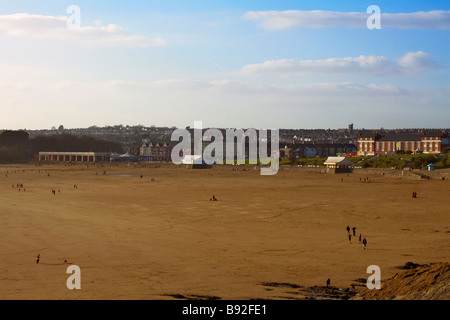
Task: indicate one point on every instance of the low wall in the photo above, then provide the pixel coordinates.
(383, 172)
(319, 169)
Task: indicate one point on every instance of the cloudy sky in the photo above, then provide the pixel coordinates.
(260, 64)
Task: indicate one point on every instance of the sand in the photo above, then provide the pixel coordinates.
(137, 239)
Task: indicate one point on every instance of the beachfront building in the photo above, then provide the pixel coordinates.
(370, 144)
(155, 152)
(338, 165)
(74, 156)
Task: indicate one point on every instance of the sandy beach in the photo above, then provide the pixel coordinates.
(134, 238)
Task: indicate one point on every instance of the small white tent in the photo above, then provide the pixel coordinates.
(189, 159)
(338, 165)
(337, 162)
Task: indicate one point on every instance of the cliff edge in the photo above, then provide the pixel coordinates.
(417, 282)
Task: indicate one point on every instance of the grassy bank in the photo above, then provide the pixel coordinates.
(415, 161)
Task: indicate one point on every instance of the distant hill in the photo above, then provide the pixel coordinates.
(128, 135)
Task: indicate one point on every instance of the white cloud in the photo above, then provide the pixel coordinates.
(222, 103)
(412, 63)
(279, 20)
(437, 19)
(416, 62)
(55, 28)
(229, 87)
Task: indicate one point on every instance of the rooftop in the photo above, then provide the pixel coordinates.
(338, 160)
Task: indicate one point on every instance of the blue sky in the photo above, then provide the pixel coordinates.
(263, 64)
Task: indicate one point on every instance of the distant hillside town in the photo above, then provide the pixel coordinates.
(154, 143)
(131, 134)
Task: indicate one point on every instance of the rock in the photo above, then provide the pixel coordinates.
(418, 282)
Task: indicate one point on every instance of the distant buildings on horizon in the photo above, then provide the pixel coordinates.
(154, 143)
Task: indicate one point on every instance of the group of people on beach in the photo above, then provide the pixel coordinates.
(363, 241)
(19, 186)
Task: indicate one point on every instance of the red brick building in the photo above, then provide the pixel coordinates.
(389, 143)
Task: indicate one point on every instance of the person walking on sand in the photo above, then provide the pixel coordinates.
(38, 258)
(360, 238)
(350, 238)
(354, 231)
(364, 243)
(328, 282)
(348, 230)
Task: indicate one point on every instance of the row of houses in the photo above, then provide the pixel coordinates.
(153, 152)
(374, 143)
(317, 150)
(368, 144)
